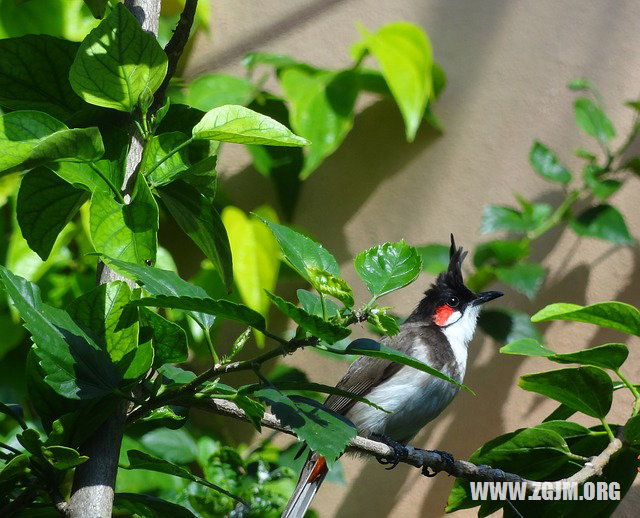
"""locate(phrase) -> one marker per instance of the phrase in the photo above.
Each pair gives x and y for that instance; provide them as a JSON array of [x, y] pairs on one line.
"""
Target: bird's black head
[[448, 294]]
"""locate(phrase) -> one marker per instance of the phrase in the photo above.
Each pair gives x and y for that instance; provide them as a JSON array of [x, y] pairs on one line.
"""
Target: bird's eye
[[453, 302]]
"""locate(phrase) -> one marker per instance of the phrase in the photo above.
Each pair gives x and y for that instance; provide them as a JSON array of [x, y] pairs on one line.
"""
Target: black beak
[[486, 296]]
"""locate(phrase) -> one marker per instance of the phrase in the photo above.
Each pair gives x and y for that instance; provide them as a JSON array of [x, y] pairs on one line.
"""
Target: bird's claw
[[400, 452], [446, 458]]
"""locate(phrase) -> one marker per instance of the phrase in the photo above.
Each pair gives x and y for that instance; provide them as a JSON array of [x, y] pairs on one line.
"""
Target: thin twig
[[424, 459], [174, 49]]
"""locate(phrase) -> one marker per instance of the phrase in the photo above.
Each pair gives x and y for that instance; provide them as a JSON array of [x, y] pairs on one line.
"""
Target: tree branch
[[423, 459], [175, 48]]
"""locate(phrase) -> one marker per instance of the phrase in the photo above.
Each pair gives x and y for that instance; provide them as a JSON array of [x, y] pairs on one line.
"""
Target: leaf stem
[[607, 428], [323, 303], [115, 190], [170, 154], [633, 389], [212, 350], [555, 218]]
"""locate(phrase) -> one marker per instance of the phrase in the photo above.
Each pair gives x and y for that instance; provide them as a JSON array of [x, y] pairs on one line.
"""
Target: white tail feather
[[306, 488]]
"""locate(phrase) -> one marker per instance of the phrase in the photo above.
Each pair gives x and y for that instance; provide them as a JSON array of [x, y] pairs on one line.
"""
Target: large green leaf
[[199, 219], [256, 255], [220, 308], [31, 138], [34, 75], [105, 315], [169, 339], [322, 105], [141, 460], [592, 120], [214, 90], [162, 282], [303, 253], [46, 204], [233, 123], [526, 347], [314, 325], [324, 431], [607, 356], [496, 217], [547, 165], [126, 232], [532, 453], [586, 389], [118, 62], [75, 366], [602, 222], [83, 175], [614, 315], [405, 56], [368, 347], [388, 267], [524, 277]]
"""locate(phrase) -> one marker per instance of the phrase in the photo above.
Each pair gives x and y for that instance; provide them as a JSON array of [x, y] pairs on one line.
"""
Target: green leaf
[[256, 256], [632, 430], [63, 458], [220, 308], [137, 362], [157, 150], [168, 417], [526, 347], [601, 189], [586, 389], [499, 252], [75, 366], [34, 75], [592, 120], [405, 57], [329, 284], [603, 222], [162, 282], [607, 356], [388, 267], [148, 506], [368, 347], [31, 138], [546, 164], [614, 315], [301, 386], [435, 258], [314, 325], [83, 176], [321, 109], [312, 304], [239, 343], [214, 90], [383, 322], [324, 431], [97, 7], [46, 204], [253, 409], [524, 277], [566, 429], [118, 62], [302, 252], [203, 176], [533, 452], [169, 339], [252, 59], [105, 315], [141, 460], [233, 123], [199, 219], [175, 446], [496, 218], [176, 374], [125, 232]]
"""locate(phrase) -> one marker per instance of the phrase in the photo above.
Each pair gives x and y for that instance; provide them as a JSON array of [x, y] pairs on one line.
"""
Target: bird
[[437, 333]]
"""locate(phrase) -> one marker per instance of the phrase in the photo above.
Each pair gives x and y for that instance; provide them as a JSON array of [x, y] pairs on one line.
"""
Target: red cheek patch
[[442, 314]]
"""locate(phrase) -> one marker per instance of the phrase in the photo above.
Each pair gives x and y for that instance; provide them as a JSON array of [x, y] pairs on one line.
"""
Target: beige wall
[[507, 63]]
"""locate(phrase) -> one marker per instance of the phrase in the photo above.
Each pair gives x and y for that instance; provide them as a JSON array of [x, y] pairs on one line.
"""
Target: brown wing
[[363, 374]]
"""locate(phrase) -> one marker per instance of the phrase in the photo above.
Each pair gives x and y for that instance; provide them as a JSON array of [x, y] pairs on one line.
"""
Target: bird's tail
[[311, 477]]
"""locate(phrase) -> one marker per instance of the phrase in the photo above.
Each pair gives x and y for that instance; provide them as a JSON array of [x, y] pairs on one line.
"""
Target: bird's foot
[[400, 452], [446, 458]]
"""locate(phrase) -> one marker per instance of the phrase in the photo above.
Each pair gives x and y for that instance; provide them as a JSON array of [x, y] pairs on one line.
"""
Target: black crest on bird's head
[[453, 276]]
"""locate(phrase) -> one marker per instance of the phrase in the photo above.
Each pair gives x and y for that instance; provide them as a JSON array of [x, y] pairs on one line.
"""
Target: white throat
[[460, 332]]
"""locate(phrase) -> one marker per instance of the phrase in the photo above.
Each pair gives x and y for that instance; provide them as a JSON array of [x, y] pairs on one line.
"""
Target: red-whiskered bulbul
[[436, 333]]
